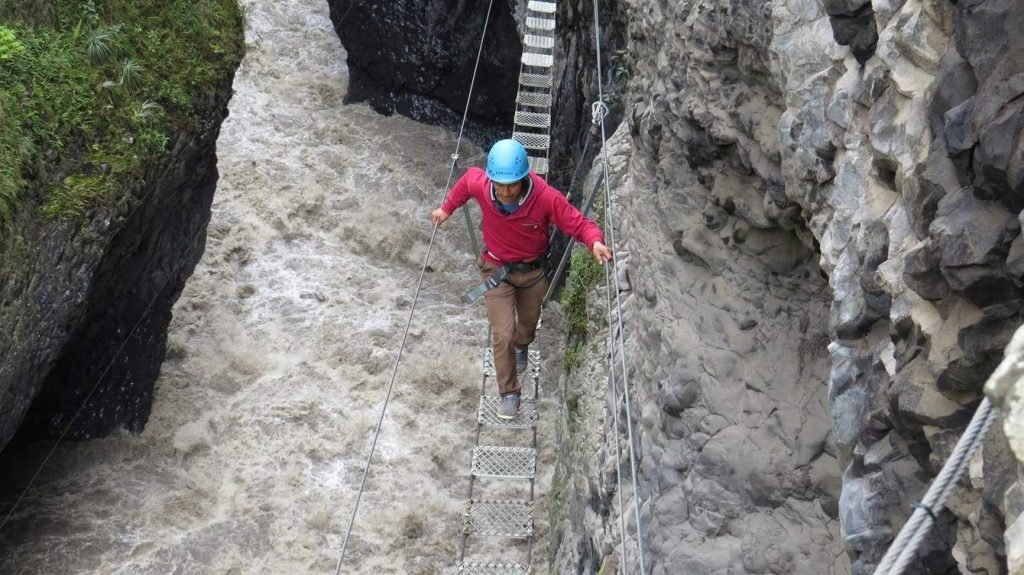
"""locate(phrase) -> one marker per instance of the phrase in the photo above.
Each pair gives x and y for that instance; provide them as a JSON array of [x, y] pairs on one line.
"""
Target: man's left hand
[[601, 252]]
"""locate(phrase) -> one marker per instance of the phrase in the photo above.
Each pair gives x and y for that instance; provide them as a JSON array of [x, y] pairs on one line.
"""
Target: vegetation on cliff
[[93, 92]]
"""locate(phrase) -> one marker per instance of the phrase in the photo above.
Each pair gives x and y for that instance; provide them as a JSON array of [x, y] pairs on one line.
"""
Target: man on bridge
[[518, 206]]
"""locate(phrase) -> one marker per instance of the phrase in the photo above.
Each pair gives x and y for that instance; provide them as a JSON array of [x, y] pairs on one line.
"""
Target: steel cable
[[601, 109], [905, 546], [416, 294]]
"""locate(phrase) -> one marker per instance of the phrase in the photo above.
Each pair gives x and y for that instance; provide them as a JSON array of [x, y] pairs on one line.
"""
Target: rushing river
[[280, 353]]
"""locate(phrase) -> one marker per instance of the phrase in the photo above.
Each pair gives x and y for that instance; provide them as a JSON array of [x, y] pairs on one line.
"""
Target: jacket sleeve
[[568, 219], [458, 195]]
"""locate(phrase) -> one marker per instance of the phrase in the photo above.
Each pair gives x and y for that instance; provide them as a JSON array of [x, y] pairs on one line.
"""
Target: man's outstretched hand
[[602, 253], [438, 216]]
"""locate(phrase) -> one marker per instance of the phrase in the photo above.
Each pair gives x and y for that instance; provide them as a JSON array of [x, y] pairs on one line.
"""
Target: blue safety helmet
[[507, 163]]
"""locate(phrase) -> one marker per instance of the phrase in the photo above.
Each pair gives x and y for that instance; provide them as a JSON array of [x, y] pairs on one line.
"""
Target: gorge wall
[[818, 206], [886, 136], [85, 298]]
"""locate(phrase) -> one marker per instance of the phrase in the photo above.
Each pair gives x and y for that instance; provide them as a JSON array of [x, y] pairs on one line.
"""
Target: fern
[[100, 44]]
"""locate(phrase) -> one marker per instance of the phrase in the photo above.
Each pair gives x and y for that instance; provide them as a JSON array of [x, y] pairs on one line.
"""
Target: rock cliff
[[86, 291], [782, 121]]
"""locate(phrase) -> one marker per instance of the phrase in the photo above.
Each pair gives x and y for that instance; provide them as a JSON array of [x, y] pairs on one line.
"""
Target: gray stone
[[680, 391], [918, 401], [960, 132], [973, 238]]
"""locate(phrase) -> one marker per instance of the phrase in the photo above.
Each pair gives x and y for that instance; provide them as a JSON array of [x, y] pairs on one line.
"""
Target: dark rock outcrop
[[416, 57], [853, 25], [84, 304]]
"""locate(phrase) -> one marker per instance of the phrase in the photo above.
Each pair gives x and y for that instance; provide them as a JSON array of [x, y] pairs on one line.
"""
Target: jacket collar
[[527, 190]]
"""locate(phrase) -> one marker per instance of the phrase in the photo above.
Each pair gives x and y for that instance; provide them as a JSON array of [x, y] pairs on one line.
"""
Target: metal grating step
[[533, 363], [535, 80], [540, 166], [535, 41], [487, 414], [538, 60], [532, 141], [493, 569], [543, 7], [499, 519], [504, 462], [540, 23], [535, 99], [533, 119]]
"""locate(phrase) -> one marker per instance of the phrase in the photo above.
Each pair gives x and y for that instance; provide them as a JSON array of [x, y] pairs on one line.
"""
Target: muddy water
[[281, 349]]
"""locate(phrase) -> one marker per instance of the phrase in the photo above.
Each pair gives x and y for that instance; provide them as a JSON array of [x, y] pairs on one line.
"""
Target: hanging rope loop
[[598, 112]]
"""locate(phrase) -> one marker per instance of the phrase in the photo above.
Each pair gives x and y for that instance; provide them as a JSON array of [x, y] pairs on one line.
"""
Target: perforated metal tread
[[533, 119], [532, 364], [535, 99], [487, 413], [540, 23], [538, 60], [493, 569], [504, 462], [499, 519], [532, 141], [539, 165], [544, 7], [535, 41], [535, 80]]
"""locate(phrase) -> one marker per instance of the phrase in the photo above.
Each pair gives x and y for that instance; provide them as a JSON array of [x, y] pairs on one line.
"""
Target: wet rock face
[[727, 318], [764, 139], [415, 57], [86, 311]]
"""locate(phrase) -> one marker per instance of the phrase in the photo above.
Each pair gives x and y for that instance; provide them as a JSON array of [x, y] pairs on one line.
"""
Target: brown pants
[[513, 309]]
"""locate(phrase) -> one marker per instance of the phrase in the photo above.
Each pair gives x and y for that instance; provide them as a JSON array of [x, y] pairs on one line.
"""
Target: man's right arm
[[457, 197]]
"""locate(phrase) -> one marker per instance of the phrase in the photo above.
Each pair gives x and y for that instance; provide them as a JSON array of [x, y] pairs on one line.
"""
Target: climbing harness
[[502, 276], [490, 283]]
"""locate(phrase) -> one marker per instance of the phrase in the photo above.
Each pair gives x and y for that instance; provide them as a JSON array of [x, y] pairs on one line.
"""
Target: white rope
[[599, 112], [415, 299], [906, 544]]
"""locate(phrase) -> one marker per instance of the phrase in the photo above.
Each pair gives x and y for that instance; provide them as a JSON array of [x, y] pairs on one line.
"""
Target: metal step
[[534, 99], [538, 60], [504, 462], [487, 414], [533, 119], [543, 7], [493, 569], [535, 41], [535, 80], [540, 23], [532, 141], [533, 363], [539, 165], [499, 519]]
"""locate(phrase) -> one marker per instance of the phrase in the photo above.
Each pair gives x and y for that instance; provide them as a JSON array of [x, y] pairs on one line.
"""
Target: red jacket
[[523, 235]]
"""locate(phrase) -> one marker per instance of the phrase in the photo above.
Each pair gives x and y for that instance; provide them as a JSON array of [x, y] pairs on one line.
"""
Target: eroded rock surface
[[760, 144]]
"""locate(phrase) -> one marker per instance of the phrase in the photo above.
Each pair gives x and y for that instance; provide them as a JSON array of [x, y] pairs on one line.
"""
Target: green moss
[[102, 87], [584, 273]]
